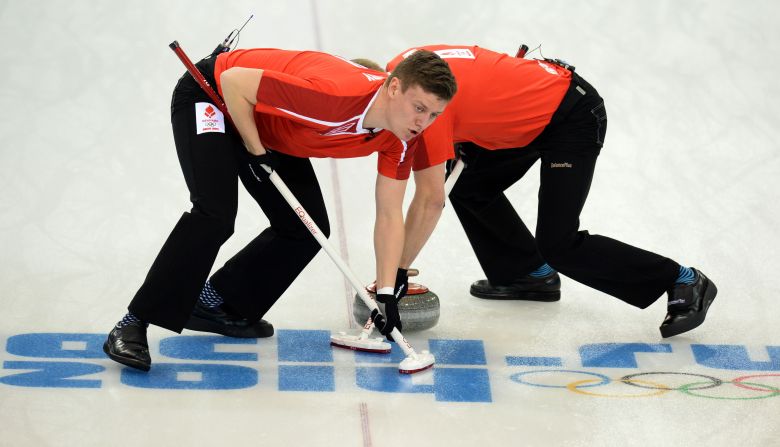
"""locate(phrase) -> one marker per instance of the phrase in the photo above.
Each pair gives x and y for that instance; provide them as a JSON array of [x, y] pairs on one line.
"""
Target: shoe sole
[[254, 331], [547, 297], [124, 360], [694, 322]]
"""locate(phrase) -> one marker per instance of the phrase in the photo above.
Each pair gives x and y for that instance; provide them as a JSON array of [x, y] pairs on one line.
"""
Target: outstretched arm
[[424, 211], [388, 229]]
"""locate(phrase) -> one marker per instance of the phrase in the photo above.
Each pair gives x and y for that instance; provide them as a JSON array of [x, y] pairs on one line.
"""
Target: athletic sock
[[686, 276], [544, 270], [129, 318], [209, 296]]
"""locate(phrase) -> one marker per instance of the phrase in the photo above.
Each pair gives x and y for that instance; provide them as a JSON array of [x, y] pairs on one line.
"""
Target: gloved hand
[[256, 161], [391, 319], [468, 152], [401, 283]]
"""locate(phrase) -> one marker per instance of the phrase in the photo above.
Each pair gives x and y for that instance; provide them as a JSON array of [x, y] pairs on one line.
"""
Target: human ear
[[394, 87]]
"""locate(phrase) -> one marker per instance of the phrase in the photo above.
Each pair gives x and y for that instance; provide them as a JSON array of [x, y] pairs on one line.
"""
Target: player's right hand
[[256, 163]]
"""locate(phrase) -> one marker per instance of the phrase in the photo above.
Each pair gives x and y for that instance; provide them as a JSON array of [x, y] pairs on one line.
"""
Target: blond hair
[[368, 63]]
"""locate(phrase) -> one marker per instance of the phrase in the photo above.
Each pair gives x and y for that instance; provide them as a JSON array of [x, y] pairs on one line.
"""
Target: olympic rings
[[658, 389], [691, 389], [774, 392], [738, 381], [516, 377], [714, 381]]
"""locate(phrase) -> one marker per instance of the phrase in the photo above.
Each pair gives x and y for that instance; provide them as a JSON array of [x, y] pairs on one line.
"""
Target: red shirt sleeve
[[397, 164], [437, 143]]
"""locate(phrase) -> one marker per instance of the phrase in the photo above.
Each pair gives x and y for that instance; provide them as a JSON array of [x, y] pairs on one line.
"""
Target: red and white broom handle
[[201, 80]]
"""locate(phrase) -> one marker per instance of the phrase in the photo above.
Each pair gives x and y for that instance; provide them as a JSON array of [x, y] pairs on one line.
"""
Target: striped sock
[[544, 270], [686, 276], [209, 296], [129, 318]]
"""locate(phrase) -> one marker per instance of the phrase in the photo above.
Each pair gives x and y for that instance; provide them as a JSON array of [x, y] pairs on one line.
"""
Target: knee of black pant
[[466, 199], [222, 226]]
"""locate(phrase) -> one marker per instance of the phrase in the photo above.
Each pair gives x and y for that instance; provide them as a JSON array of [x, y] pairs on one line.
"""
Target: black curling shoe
[[128, 346], [218, 321], [688, 305], [529, 288]]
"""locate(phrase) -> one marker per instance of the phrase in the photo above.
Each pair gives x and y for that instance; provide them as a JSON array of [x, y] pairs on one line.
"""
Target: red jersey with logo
[[502, 101], [312, 104]]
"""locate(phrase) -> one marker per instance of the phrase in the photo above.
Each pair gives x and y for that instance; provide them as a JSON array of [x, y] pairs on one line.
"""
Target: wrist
[[385, 291]]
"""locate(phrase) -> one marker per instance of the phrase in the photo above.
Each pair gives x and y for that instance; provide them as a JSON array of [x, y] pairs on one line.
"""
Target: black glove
[[391, 319], [256, 161], [385, 324], [468, 152], [401, 283], [379, 321]]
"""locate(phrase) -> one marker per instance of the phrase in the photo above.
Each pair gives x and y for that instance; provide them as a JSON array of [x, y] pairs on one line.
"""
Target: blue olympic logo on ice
[[648, 384]]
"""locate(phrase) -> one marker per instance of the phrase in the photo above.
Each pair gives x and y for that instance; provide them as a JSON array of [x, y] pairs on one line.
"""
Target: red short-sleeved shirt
[[312, 104], [502, 101]]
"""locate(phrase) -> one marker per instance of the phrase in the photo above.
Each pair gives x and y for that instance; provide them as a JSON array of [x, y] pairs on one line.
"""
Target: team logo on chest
[[349, 127]]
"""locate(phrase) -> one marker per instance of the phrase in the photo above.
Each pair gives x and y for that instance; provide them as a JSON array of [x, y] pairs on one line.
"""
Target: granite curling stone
[[419, 309]]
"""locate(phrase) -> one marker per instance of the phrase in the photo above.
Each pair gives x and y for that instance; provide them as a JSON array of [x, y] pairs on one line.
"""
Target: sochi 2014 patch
[[208, 118]]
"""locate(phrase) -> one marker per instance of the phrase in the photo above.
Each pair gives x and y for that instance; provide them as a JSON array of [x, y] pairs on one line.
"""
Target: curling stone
[[419, 309]]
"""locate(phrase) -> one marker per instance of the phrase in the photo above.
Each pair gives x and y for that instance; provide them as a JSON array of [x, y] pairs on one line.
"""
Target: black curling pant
[[256, 277], [506, 249]]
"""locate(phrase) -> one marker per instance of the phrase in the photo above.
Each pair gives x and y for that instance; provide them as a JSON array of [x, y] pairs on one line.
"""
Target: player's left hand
[[401, 283], [391, 318]]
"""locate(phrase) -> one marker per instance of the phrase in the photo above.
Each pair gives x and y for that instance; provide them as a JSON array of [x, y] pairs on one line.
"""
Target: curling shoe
[[128, 346], [529, 288], [688, 305], [218, 321]]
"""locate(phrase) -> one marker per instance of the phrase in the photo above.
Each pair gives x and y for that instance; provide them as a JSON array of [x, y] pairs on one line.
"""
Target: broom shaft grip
[[201, 80]]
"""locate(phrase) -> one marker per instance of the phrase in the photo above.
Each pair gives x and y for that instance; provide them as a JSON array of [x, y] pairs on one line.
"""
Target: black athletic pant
[[568, 149], [256, 277]]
